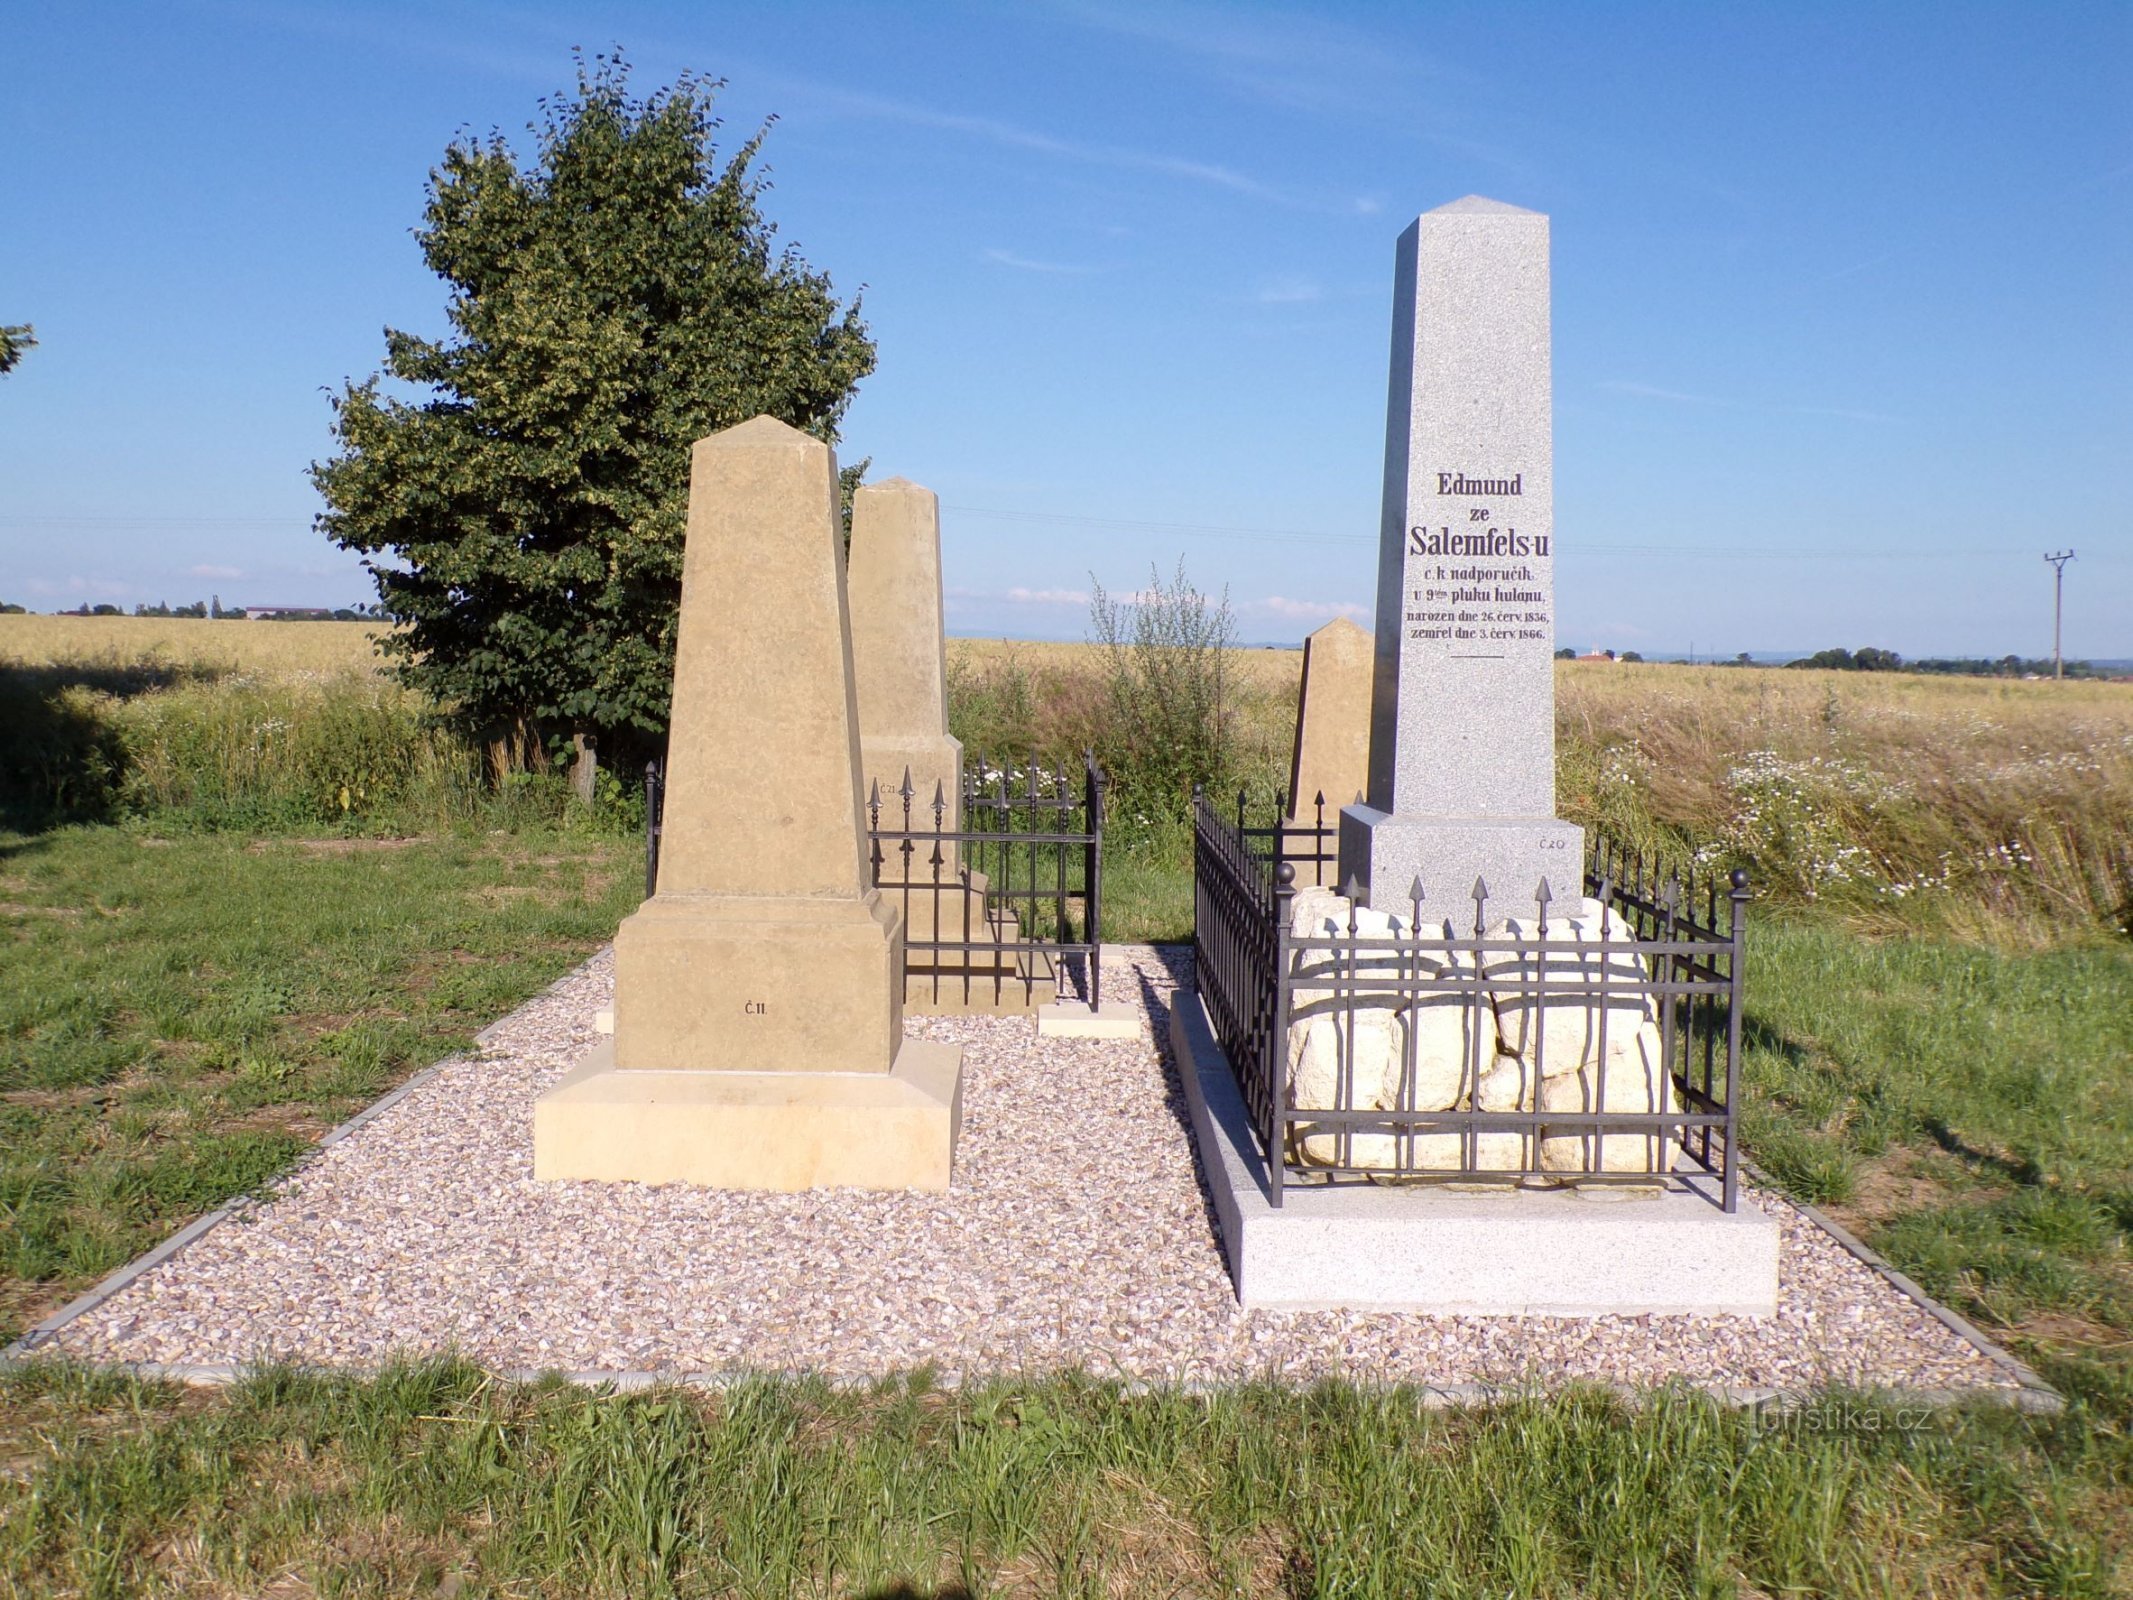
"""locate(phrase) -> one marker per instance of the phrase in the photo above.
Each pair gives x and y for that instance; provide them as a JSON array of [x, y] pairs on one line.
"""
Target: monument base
[[1386, 852], [780, 1131], [1452, 1251]]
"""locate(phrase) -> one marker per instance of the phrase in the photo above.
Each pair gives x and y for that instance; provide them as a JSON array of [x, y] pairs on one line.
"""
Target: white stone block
[[1066, 1019]]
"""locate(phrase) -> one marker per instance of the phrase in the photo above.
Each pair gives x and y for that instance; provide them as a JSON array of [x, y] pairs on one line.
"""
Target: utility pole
[[2058, 562]]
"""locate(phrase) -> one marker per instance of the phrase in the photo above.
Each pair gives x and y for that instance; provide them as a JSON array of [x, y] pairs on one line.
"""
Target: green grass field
[[197, 987], [185, 1013], [433, 1480], [193, 1009]]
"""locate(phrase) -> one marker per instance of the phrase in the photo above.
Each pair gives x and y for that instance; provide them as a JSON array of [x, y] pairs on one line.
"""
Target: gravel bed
[[1076, 1235]]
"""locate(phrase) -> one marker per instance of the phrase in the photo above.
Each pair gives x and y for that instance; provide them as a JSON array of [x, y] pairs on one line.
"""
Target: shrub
[[1169, 699]]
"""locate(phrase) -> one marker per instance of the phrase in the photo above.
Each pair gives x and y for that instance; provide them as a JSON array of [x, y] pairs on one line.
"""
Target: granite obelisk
[[1462, 735]]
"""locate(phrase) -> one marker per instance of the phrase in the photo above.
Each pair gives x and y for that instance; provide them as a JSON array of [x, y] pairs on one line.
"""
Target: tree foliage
[[1867, 658], [13, 342], [611, 302]]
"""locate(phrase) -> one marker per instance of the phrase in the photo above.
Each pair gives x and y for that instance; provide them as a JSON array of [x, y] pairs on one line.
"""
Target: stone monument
[[1462, 727], [1332, 755], [758, 1020], [1461, 787], [900, 674], [899, 650]]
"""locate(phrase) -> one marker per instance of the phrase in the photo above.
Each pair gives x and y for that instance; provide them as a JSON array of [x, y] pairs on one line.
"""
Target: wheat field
[[1990, 807], [205, 643]]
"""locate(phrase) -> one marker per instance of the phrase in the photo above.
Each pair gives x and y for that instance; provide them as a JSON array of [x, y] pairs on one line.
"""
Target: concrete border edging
[[2032, 1393], [2039, 1395], [43, 1331], [2033, 1396]]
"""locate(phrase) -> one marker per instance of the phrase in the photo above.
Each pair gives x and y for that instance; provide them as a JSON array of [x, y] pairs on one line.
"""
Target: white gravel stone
[[1076, 1234]]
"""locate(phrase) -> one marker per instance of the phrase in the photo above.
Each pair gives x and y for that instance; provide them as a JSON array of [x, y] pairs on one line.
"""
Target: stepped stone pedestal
[[758, 1018]]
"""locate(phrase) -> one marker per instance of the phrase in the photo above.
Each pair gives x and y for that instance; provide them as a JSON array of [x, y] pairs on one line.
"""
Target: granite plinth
[[1510, 854], [1447, 1251]]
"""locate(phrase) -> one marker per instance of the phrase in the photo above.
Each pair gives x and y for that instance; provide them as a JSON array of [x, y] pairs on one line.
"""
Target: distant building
[[307, 613], [1597, 655]]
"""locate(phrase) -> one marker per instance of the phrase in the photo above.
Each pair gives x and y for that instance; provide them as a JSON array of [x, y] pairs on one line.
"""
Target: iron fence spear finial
[[1481, 899]]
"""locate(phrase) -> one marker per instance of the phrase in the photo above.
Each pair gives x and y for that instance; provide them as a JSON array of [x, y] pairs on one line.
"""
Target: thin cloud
[[1007, 258], [1011, 136], [1856, 267], [1288, 292], [1340, 72], [1646, 391], [1047, 597], [208, 570]]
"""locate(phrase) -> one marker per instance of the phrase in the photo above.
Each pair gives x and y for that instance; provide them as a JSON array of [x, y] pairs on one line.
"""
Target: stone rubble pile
[[1481, 1044]]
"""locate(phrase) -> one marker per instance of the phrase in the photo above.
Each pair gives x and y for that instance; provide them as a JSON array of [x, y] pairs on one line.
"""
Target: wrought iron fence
[[996, 912], [1381, 1043], [1311, 847], [1008, 904]]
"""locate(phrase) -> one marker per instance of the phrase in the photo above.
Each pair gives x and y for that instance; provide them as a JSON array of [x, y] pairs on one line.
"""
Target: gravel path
[[1076, 1234]]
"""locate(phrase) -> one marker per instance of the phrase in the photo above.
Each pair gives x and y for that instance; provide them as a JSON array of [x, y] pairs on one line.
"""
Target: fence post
[[654, 801], [1735, 999], [1093, 877], [1277, 1043]]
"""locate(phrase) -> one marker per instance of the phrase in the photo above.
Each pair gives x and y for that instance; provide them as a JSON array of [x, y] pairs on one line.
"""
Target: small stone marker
[[758, 1018], [1332, 755], [1462, 739]]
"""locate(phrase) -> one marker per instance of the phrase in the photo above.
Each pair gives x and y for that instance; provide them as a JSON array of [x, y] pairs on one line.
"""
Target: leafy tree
[[610, 303], [1839, 660], [13, 342]]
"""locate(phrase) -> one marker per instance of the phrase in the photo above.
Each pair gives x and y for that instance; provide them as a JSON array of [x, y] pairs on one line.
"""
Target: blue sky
[[1843, 293]]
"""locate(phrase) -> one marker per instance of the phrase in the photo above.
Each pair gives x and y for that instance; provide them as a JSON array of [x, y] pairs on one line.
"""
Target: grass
[[1940, 1050], [431, 1479], [1967, 1109], [1970, 1113], [184, 1014]]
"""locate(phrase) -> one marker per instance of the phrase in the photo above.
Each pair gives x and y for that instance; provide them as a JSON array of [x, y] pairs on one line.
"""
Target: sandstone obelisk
[[759, 993], [1462, 737], [900, 654], [1332, 751]]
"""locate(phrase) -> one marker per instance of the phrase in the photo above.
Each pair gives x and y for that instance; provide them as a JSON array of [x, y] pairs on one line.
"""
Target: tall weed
[[209, 748]]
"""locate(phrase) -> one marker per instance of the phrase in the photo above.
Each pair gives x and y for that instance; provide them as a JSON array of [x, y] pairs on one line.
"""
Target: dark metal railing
[[1312, 848], [1010, 901], [1457, 1081], [993, 911]]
